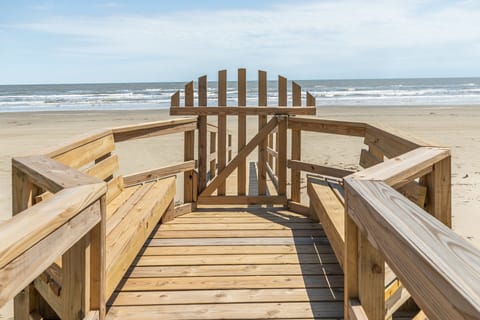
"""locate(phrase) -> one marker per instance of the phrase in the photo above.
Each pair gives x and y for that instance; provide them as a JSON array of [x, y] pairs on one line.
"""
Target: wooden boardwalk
[[233, 263]]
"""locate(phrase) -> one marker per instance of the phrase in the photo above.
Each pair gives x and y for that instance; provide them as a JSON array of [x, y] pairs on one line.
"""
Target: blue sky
[[136, 41]]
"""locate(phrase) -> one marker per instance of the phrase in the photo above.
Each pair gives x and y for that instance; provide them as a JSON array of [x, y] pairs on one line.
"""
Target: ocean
[[131, 96]]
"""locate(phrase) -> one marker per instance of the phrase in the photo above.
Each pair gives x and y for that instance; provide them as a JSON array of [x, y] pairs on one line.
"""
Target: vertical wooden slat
[[282, 155], [282, 91], [270, 145], [222, 127], [295, 174], [439, 197], [277, 141], [229, 144], [213, 149], [350, 262], [242, 131], [296, 94], [189, 95], [175, 99], [296, 145], [371, 279], [311, 102], [75, 276], [97, 263], [189, 148], [202, 135], [262, 121]]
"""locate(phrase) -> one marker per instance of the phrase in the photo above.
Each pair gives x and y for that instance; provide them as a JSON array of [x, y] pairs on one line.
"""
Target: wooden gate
[[271, 139]]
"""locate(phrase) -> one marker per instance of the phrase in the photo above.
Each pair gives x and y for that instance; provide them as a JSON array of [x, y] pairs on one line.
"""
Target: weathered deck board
[[243, 263]]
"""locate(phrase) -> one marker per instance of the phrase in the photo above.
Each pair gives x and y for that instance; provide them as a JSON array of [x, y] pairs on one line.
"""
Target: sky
[[47, 41]]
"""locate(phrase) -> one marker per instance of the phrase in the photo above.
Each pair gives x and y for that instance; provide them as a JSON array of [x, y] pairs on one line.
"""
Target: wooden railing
[[70, 225]]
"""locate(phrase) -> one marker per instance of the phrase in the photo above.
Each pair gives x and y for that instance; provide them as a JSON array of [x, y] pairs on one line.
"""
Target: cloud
[[327, 34]]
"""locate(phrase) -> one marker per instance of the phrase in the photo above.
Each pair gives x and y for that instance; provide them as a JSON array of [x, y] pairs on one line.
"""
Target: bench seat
[[327, 207], [131, 217]]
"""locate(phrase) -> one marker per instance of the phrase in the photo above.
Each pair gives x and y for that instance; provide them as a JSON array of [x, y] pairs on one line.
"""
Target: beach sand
[[454, 126]]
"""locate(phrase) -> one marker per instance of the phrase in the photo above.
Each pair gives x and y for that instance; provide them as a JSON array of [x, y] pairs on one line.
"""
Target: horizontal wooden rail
[[51, 175], [401, 170], [158, 173], [153, 129], [347, 128], [241, 200], [318, 169], [210, 111], [33, 239], [440, 269]]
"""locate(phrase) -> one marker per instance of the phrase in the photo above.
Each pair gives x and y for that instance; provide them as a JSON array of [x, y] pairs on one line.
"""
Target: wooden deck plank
[[172, 234], [241, 226], [225, 296], [289, 310], [235, 259], [228, 282], [267, 249], [234, 270], [238, 241]]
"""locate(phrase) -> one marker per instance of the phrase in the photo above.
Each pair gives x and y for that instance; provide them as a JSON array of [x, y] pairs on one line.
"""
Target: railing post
[[189, 154], [23, 195], [350, 263], [262, 146], [213, 150], [282, 155], [439, 197], [202, 135], [242, 131], [295, 174], [97, 263]]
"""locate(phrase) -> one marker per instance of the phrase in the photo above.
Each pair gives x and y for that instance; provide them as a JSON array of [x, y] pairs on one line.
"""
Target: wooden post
[[262, 121], [98, 263], [371, 279], [270, 145], [202, 135], [222, 127], [296, 146], [23, 195], [213, 150], [350, 263], [75, 292], [242, 131], [189, 148], [439, 197], [282, 155], [229, 145]]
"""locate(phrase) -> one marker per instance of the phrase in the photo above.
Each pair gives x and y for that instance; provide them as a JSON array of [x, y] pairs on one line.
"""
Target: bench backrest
[[95, 156]]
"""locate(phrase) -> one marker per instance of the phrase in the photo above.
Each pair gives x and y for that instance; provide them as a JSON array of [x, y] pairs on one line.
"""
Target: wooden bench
[[327, 203], [133, 211]]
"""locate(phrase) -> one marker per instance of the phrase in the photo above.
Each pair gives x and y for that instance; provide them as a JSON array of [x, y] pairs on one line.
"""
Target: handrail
[[25, 229], [440, 269]]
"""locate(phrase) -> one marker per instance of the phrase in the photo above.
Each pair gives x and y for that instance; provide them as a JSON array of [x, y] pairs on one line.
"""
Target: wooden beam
[[29, 264], [189, 147], [347, 128], [241, 200], [439, 197], [350, 261], [202, 134], [318, 169], [282, 155], [222, 128], [425, 254], [401, 170], [240, 157], [368, 159], [296, 94], [163, 172], [250, 110], [153, 129], [213, 155], [282, 91], [272, 176], [296, 150], [310, 100], [242, 131], [262, 146], [175, 99], [31, 225]]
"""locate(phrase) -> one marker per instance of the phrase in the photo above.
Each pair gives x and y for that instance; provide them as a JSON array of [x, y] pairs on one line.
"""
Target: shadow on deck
[[233, 263]]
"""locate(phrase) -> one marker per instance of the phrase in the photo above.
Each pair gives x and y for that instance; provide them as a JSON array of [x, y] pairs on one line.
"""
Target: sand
[[455, 126]]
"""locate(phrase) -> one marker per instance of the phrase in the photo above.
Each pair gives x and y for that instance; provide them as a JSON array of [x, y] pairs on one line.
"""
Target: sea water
[[124, 96]]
